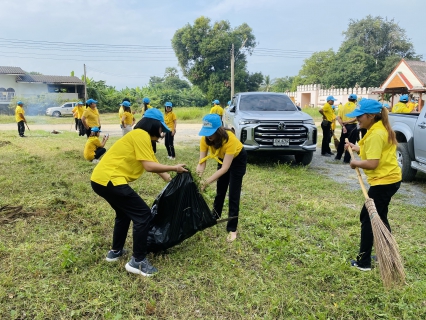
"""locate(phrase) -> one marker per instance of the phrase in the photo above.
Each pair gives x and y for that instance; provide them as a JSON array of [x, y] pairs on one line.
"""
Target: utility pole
[[85, 85], [232, 71]]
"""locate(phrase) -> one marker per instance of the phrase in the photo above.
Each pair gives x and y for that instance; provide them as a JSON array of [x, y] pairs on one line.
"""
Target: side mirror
[[299, 108], [231, 108]]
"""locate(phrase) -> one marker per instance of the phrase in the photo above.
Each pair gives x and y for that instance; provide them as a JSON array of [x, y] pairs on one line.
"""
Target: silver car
[[63, 110]]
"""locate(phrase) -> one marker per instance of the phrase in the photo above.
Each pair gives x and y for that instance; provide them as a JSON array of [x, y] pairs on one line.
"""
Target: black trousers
[[381, 195], [169, 142], [76, 123], [326, 138], [81, 129], [88, 131], [99, 152], [128, 206], [234, 179], [351, 134], [21, 128]]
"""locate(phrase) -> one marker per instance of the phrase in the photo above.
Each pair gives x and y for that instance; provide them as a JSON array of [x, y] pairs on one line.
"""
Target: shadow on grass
[[267, 160]]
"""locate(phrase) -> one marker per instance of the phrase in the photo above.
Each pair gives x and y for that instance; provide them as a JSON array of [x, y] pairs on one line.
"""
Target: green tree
[[266, 84], [203, 52], [315, 67], [282, 84]]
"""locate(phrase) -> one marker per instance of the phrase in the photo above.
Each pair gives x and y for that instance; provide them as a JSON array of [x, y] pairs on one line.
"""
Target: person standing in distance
[[377, 150], [328, 117], [20, 118], [223, 146], [146, 106], [217, 109], [349, 127], [124, 162], [170, 119], [91, 117], [127, 119], [401, 106]]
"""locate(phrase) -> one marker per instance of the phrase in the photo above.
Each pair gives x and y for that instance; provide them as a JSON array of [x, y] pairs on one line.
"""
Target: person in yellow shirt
[[94, 148], [75, 115], [349, 127], [127, 119], [412, 105], [90, 116], [223, 146], [80, 110], [124, 162], [401, 106], [217, 109], [377, 150], [146, 105], [170, 119], [328, 118], [20, 118]]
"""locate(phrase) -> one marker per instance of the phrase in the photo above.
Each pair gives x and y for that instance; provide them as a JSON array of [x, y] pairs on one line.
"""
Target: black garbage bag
[[179, 212]]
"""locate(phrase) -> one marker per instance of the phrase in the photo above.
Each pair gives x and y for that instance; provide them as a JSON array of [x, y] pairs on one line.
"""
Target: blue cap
[[366, 106], [216, 101], [330, 98], [19, 103], [211, 123], [229, 102], [80, 102], [146, 100], [386, 105], [157, 115], [168, 104], [353, 96], [125, 104], [90, 101], [404, 98], [95, 129]]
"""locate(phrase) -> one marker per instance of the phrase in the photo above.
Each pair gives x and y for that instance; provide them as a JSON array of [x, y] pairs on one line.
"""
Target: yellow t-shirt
[[345, 109], [217, 110], [143, 108], [169, 119], [129, 118], [411, 106], [92, 117], [92, 144], [80, 111], [74, 112], [122, 164], [375, 145], [233, 146], [328, 112], [120, 113], [401, 107], [19, 110]]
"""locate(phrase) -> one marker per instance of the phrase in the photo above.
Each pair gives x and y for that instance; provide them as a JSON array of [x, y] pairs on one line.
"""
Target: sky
[[55, 37]]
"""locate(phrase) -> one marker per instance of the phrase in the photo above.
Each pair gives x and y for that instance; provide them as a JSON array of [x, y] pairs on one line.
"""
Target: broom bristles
[[390, 262]]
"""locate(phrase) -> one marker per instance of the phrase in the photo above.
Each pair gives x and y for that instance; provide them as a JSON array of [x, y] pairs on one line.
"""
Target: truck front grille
[[265, 133]]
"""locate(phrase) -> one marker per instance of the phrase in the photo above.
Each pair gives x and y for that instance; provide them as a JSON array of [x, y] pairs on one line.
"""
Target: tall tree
[[267, 84], [203, 52]]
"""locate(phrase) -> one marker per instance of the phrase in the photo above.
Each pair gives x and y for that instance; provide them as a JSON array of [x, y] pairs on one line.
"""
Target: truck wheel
[[304, 158], [404, 161], [56, 114]]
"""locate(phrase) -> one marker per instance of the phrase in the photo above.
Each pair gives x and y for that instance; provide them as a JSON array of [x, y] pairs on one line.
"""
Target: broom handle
[[358, 173]]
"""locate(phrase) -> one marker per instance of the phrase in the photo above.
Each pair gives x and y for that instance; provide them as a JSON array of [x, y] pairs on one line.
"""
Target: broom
[[336, 141], [390, 261]]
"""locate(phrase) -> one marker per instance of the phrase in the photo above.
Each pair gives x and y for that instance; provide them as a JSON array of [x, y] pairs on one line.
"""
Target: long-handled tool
[[390, 261]]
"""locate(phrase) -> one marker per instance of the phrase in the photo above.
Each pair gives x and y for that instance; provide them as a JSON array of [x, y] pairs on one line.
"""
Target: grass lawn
[[297, 232]]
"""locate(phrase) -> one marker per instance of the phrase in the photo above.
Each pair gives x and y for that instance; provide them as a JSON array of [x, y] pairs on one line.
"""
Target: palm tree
[[267, 84]]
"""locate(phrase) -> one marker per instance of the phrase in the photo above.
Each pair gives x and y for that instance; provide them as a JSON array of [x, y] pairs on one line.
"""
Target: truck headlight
[[247, 121]]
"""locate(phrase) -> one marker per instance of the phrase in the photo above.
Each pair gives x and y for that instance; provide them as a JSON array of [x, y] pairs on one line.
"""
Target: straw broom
[[387, 251]]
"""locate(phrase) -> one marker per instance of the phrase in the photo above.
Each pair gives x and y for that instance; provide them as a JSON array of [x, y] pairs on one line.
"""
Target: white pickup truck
[[63, 110], [410, 129]]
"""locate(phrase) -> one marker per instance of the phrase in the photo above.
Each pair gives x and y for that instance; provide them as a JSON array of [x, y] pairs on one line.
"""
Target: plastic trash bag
[[179, 212]]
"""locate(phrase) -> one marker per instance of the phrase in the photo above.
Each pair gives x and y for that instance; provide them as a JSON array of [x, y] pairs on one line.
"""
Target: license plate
[[281, 142]]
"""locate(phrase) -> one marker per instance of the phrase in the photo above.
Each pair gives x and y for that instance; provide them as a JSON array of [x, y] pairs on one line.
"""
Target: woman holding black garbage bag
[[228, 151], [125, 162]]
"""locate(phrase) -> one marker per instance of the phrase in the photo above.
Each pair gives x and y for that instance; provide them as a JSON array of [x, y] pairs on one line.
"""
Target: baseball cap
[[95, 129], [146, 100], [216, 101], [366, 106], [125, 104], [353, 96], [168, 104], [80, 102], [404, 98], [19, 102], [330, 98], [211, 123], [90, 101], [157, 115]]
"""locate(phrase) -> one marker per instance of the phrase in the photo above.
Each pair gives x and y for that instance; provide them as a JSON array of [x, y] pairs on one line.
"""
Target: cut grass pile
[[297, 232]]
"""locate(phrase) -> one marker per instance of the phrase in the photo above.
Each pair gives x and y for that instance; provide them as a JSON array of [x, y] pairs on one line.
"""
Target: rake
[[387, 251]]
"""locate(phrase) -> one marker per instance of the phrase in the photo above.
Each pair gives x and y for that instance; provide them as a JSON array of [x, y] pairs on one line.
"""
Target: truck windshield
[[266, 102]]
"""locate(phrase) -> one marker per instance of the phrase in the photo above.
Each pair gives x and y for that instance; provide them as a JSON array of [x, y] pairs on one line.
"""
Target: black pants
[[81, 129], [169, 142], [351, 134], [99, 152], [326, 138], [128, 206], [382, 196], [88, 131], [21, 128], [234, 179], [76, 123]]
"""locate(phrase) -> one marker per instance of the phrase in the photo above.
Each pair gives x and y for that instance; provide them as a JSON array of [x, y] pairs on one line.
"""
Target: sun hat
[[95, 129], [90, 101], [125, 104], [157, 115], [211, 123], [168, 104], [330, 98], [353, 96], [146, 100], [404, 98], [366, 106]]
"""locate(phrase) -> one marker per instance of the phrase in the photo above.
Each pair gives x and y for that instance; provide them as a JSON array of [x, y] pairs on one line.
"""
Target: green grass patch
[[297, 232]]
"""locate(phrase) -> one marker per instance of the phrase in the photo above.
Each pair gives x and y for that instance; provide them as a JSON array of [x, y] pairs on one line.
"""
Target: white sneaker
[[95, 161], [171, 158]]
